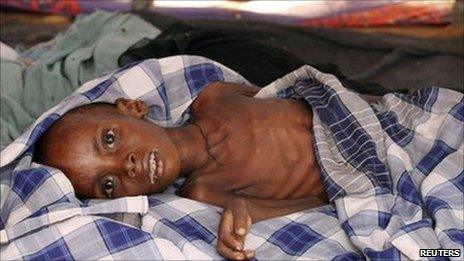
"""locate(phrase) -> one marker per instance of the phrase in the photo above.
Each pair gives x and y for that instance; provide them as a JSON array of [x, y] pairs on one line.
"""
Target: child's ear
[[138, 109]]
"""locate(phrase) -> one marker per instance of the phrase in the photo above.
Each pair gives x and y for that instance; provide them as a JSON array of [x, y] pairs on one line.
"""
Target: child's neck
[[191, 145]]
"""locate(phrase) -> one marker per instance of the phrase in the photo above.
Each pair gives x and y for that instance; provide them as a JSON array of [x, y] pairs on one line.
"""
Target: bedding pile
[[393, 173]]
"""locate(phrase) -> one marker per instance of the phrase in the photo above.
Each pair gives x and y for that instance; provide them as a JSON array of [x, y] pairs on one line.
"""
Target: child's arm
[[240, 211]]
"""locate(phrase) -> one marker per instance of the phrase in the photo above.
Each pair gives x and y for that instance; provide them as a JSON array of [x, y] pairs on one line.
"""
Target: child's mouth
[[155, 165]]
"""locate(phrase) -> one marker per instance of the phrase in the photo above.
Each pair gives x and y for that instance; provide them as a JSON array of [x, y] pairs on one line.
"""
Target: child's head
[[111, 150]]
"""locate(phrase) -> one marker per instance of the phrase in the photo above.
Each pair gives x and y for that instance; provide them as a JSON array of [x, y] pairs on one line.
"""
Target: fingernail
[[239, 248], [239, 257], [250, 254], [241, 231]]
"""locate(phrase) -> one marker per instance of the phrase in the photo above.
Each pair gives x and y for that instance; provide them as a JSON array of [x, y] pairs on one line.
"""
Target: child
[[253, 157]]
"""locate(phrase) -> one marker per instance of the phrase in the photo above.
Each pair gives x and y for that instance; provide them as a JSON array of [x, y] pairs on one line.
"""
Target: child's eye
[[108, 187], [109, 139]]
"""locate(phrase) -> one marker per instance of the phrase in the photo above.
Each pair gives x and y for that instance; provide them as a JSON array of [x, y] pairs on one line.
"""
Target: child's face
[[110, 152]]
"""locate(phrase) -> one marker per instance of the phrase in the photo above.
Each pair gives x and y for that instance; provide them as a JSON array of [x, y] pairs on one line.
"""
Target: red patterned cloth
[[393, 14]]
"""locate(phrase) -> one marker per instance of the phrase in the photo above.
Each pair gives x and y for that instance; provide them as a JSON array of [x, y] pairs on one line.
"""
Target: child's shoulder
[[219, 92]]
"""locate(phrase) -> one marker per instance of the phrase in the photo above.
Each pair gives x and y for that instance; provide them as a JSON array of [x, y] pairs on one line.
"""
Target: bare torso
[[257, 147]]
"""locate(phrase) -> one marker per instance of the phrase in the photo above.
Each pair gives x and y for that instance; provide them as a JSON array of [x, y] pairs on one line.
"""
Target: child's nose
[[131, 164]]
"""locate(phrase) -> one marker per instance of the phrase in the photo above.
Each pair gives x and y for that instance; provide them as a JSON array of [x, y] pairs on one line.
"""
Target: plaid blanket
[[393, 172]]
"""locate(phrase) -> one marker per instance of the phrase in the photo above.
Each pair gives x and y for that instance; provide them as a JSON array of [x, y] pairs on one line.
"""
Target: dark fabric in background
[[259, 62], [394, 62]]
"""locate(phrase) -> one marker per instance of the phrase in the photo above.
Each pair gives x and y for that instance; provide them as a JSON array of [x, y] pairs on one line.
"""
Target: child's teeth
[[152, 163], [155, 166]]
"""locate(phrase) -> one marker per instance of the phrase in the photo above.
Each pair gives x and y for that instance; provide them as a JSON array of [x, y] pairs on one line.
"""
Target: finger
[[226, 233], [228, 252], [242, 221], [249, 253]]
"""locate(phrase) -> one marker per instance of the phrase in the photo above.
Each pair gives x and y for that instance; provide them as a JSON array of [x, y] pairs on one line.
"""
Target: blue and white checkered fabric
[[394, 174]]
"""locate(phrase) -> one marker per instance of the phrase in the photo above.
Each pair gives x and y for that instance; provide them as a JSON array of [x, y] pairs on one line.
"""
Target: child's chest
[[262, 147]]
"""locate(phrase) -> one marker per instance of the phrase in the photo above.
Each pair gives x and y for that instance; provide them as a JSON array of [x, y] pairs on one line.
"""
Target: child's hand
[[235, 224]]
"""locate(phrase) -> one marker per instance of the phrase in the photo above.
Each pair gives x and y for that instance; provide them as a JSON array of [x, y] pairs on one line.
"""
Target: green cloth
[[14, 118], [90, 47]]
